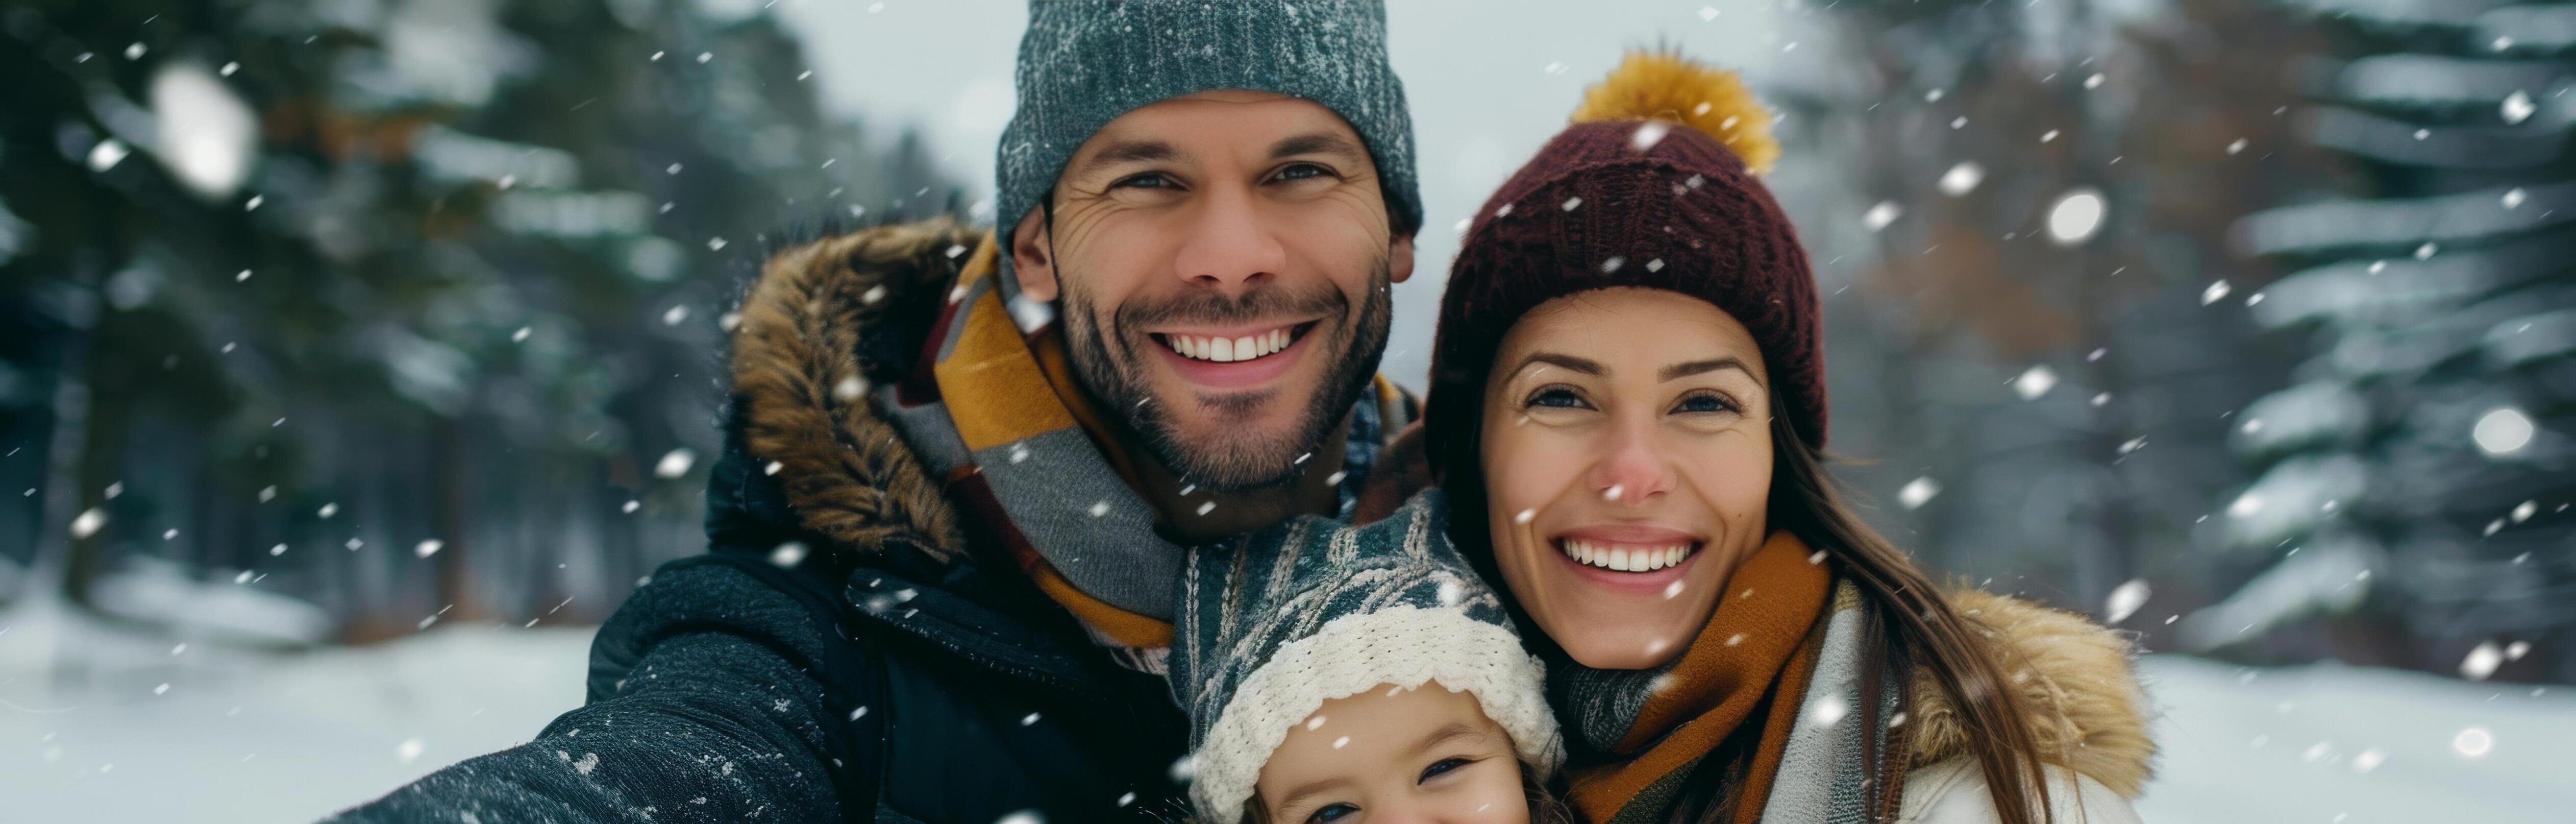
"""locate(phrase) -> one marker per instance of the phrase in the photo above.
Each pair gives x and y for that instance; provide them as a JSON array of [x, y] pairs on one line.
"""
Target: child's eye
[[1443, 767], [1704, 402], [1557, 397], [1332, 812]]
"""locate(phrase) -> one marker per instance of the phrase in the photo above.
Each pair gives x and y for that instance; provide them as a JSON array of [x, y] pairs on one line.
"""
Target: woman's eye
[[1442, 767], [1332, 812], [1558, 397], [1704, 402]]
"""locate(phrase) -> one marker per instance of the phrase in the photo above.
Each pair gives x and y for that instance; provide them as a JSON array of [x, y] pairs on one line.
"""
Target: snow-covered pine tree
[[2415, 479], [340, 297]]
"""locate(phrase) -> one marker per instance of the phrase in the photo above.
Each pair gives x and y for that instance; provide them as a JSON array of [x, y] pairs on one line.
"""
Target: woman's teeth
[[1625, 557], [1227, 350]]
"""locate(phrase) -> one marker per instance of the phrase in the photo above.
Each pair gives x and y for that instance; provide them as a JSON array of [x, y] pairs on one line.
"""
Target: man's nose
[[1231, 246]]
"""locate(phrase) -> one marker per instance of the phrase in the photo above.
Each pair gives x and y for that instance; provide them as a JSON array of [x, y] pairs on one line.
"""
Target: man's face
[[1223, 261]]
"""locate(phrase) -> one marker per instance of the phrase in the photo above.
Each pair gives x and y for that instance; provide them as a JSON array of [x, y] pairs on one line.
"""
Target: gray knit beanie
[[1085, 62], [1314, 610]]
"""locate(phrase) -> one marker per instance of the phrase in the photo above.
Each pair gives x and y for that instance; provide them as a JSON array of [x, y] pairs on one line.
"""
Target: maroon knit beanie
[[1637, 193]]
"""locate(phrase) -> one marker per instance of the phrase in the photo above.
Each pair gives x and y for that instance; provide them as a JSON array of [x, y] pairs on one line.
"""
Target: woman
[[1628, 412]]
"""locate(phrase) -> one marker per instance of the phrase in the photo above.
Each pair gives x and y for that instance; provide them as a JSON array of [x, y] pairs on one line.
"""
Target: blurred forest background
[[2250, 326]]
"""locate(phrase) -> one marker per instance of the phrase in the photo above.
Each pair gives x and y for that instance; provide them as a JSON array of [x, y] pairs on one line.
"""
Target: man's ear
[[1399, 259], [1029, 258]]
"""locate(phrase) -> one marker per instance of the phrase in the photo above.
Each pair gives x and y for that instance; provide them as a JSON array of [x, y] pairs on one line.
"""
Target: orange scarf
[[1756, 654]]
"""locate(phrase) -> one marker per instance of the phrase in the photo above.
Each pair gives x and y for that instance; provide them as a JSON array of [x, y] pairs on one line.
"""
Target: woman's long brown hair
[[1906, 615]]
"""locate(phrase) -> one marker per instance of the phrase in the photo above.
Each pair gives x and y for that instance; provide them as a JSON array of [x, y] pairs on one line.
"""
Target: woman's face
[[1627, 458]]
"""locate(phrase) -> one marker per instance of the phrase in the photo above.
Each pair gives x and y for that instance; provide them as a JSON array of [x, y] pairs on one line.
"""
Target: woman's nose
[[1633, 468]]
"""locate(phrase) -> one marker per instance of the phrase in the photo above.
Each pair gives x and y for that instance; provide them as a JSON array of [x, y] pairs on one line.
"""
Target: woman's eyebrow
[[1684, 370], [1583, 365]]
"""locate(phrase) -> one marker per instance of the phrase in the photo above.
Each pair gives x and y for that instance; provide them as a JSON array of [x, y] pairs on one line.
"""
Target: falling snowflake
[[88, 522], [408, 750], [674, 463], [2216, 291], [1827, 711], [2473, 742], [2076, 216], [1648, 134], [428, 547], [2125, 601], [2481, 662], [2034, 382], [1918, 492], [107, 154], [2517, 107], [2503, 431], [1879, 216], [787, 555], [1962, 179], [2245, 506]]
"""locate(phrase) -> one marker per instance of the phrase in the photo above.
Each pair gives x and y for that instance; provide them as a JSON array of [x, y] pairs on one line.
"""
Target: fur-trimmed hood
[[824, 322], [2075, 680]]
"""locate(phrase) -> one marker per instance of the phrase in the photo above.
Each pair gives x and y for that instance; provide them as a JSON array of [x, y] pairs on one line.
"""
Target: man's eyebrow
[[1131, 151], [1314, 143], [1683, 370], [1583, 365]]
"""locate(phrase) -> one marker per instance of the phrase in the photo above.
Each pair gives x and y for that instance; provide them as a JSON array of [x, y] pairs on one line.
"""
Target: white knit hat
[[1314, 610]]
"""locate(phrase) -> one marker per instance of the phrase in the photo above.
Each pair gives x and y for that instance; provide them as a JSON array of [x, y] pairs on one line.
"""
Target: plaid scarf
[[995, 410]]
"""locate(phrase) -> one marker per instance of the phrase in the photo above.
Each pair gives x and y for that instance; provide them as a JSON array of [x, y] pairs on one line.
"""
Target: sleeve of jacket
[[705, 708]]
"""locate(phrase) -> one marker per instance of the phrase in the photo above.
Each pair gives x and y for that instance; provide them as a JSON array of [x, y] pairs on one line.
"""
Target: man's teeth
[[1227, 350], [1626, 557]]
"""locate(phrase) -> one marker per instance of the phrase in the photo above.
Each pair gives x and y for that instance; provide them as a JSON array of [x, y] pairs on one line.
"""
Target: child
[[1348, 674]]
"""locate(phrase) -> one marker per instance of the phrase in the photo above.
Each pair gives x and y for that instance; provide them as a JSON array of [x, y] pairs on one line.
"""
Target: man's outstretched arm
[[712, 723]]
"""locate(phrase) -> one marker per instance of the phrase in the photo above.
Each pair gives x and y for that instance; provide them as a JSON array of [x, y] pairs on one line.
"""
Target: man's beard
[[1229, 462]]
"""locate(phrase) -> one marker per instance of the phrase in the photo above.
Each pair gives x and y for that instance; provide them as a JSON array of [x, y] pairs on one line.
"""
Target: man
[[961, 468]]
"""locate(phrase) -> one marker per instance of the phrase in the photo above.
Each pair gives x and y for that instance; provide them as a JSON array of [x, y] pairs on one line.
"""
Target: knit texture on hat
[[1313, 610], [1635, 201], [1085, 62]]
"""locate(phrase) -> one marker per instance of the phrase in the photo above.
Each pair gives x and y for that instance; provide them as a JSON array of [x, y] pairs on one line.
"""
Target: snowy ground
[[268, 737]]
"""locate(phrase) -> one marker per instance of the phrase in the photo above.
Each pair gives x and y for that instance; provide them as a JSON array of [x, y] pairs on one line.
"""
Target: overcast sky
[[1489, 81]]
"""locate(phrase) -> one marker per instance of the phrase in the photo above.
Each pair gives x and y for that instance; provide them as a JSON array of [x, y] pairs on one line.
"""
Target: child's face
[[1427, 755]]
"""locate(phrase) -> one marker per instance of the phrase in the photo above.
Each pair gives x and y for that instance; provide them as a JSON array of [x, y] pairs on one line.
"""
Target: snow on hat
[[1314, 610]]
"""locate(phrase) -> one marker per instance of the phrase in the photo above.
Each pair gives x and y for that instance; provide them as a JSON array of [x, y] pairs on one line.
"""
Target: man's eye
[[1558, 397], [1301, 171], [1442, 767], [1332, 812], [1148, 180], [1704, 402]]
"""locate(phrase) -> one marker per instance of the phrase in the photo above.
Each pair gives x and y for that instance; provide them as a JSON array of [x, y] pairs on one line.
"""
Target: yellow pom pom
[[1663, 85]]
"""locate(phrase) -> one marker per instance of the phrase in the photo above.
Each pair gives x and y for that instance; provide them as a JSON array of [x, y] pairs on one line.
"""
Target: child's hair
[[1544, 806]]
